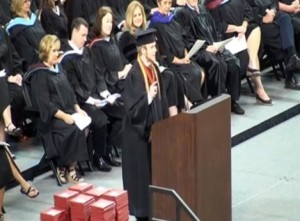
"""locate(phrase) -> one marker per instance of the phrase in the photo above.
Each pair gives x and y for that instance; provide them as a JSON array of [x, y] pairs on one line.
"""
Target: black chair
[[274, 58]]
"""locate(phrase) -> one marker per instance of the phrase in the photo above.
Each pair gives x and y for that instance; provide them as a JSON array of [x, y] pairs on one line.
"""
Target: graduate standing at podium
[[145, 103]]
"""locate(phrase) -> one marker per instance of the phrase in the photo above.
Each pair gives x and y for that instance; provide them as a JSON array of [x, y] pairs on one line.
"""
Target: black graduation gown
[[108, 61], [81, 75], [148, 5], [26, 35], [5, 169], [171, 43], [278, 34], [55, 24], [86, 9], [50, 91], [222, 68], [172, 83], [5, 14], [119, 9], [4, 101], [10, 61], [235, 12], [136, 149]]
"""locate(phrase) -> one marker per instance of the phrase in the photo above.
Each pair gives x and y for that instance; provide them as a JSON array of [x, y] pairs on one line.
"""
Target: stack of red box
[[97, 192], [120, 197], [81, 207], [62, 201], [53, 214], [81, 187], [103, 210]]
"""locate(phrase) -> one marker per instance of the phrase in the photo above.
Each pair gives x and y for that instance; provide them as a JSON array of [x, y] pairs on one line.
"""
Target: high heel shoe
[[13, 131], [262, 101]]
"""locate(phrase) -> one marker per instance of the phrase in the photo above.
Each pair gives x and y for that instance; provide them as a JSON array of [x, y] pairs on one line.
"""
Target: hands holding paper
[[110, 99]]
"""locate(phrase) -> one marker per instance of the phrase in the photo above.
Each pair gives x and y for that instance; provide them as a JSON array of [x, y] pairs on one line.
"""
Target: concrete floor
[[265, 169]]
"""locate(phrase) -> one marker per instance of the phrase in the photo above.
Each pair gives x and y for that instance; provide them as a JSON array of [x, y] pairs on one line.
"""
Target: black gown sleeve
[[17, 67], [100, 68], [136, 100], [74, 80], [41, 97]]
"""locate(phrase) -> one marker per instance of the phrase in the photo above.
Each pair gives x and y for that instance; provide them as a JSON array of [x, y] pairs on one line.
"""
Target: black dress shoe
[[100, 164], [293, 64], [292, 83], [236, 108], [111, 160]]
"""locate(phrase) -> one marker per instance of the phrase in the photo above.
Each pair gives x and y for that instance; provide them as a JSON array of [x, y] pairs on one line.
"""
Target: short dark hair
[[77, 22]]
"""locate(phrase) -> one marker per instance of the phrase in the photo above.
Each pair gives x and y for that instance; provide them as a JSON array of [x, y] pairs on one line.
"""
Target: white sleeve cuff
[[104, 94], [90, 100]]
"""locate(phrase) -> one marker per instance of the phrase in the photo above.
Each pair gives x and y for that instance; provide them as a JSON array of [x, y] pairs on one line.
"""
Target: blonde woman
[[54, 98], [25, 31]]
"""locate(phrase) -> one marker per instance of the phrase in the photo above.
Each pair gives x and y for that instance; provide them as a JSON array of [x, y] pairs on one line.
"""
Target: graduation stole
[[149, 75]]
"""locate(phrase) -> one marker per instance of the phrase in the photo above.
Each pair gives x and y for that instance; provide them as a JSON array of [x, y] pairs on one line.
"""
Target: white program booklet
[[198, 44], [237, 45], [221, 44], [82, 121]]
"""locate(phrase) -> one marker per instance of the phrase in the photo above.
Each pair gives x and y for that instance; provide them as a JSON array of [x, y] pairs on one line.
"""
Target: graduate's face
[[137, 19], [79, 36], [193, 3], [26, 6], [53, 54], [107, 24], [150, 51], [164, 6]]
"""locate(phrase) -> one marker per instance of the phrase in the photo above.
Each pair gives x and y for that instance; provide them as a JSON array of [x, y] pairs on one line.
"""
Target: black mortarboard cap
[[145, 36]]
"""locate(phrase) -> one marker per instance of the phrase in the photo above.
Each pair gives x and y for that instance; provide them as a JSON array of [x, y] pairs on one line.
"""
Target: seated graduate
[[278, 35], [11, 68], [199, 24], [236, 17], [5, 13], [111, 67], [292, 7], [145, 103], [136, 19], [25, 31], [78, 63], [172, 46], [9, 169], [53, 19], [55, 101]]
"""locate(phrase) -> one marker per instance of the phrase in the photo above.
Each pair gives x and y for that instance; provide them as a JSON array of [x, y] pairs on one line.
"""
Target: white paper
[[100, 103], [198, 44], [237, 45], [82, 121], [221, 44], [112, 98], [2, 73]]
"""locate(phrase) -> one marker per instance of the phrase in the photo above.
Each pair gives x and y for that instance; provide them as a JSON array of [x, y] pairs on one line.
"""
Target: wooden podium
[[191, 154]]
